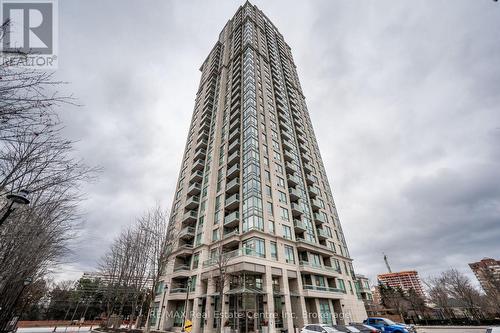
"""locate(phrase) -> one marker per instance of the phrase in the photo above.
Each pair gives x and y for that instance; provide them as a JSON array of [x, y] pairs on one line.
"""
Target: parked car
[[322, 328], [347, 328], [365, 328], [493, 329], [387, 325]]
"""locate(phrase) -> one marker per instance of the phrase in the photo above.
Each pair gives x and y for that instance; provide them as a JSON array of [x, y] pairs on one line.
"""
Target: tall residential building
[[487, 271], [405, 280], [252, 182]]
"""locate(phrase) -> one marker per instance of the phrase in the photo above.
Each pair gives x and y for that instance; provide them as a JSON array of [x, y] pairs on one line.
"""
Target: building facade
[[487, 271], [363, 290], [405, 280], [253, 185]]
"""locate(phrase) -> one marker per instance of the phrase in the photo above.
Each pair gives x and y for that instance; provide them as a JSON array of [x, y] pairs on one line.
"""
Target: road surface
[[452, 329], [60, 329]]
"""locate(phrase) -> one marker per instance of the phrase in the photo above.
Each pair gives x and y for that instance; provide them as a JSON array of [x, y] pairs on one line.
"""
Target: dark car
[[365, 328], [347, 328]]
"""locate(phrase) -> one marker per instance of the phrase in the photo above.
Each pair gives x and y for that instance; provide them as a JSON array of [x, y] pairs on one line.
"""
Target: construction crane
[[387, 263]]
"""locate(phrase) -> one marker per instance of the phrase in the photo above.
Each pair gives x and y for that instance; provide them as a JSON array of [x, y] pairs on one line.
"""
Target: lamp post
[[15, 199]]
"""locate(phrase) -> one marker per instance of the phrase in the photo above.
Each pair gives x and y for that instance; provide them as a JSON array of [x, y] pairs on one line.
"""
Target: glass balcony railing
[[322, 288]]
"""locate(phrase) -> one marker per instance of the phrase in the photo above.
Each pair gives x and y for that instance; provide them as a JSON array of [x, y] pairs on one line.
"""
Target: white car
[[322, 328], [493, 329]]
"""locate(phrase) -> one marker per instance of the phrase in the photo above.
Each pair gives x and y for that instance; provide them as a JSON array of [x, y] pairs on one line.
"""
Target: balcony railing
[[299, 225], [232, 254], [321, 288], [182, 268], [232, 219], [187, 232]]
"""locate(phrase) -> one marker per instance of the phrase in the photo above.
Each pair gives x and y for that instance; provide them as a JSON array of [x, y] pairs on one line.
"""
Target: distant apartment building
[[487, 271], [405, 280], [143, 283], [253, 184], [363, 289]]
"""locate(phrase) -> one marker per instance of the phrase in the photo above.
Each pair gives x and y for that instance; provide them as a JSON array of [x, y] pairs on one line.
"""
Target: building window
[[274, 251], [282, 198], [287, 232], [289, 255], [270, 208], [196, 260], [271, 227], [255, 246], [269, 191], [284, 214]]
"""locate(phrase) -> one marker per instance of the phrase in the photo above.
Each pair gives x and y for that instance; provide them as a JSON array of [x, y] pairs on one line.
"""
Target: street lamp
[[15, 199]]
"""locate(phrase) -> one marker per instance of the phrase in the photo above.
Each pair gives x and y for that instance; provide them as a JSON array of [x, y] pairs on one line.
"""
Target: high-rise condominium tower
[[252, 185]]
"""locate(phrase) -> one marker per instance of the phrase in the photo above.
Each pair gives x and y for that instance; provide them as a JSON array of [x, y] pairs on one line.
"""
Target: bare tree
[[161, 240], [35, 156], [136, 260], [220, 259], [453, 285]]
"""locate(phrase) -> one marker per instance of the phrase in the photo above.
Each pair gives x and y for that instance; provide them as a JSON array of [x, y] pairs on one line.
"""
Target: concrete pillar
[[269, 298], [318, 313], [288, 322], [210, 308]]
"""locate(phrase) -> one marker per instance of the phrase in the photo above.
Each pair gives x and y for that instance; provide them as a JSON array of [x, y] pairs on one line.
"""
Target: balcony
[[233, 186], [288, 156], [322, 234], [308, 167], [316, 204], [233, 171], [187, 233], [233, 135], [196, 177], [194, 189], [198, 165], [294, 194], [192, 202], [299, 226], [319, 218], [234, 115], [232, 219], [313, 191], [205, 126], [286, 135], [203, 135], [306, 158], [233, 202], [235, 125], [288, 144], [234, 146], [233, 158], [323, 289], [290, 167], [243, 252], [301, 139], [310, 179], [300, 131], [200, 154], [190, 217], [182, 268], [202, 144], [296, 209], [293, 181]]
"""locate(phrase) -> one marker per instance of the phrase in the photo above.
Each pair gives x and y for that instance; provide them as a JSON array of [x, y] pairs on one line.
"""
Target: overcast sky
[[403, 95]]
